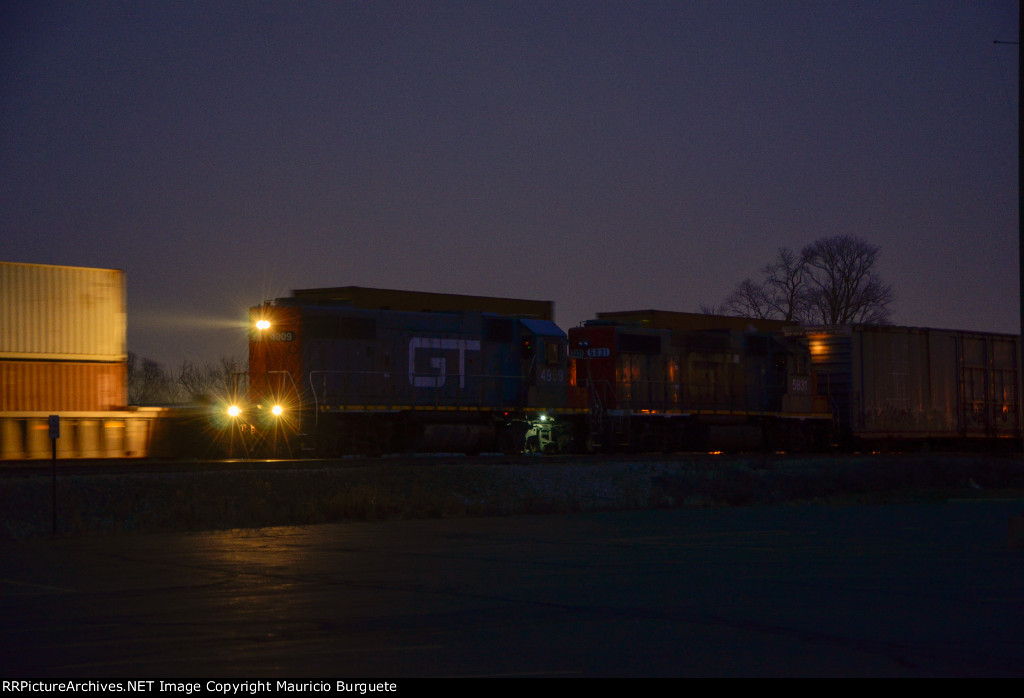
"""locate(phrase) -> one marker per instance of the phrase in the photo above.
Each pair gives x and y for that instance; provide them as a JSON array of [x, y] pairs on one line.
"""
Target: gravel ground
[[145, 496]]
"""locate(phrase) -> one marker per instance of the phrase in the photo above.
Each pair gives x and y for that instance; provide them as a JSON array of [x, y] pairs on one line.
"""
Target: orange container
[[62, 385]]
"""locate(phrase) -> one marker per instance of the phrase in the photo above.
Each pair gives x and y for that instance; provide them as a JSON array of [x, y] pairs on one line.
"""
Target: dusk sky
[[603, 155]]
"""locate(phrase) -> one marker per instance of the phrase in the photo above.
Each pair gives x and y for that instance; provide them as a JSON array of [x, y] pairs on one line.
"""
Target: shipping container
[[61, 313], [917, 383], [62, 385]]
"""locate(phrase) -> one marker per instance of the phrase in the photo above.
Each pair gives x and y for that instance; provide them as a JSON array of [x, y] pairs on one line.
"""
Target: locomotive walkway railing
[[381, 391], [641, 397]]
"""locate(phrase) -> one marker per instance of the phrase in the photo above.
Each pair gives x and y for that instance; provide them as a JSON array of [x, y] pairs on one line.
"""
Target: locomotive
[[666, 388], [331, 377], [372, 371]]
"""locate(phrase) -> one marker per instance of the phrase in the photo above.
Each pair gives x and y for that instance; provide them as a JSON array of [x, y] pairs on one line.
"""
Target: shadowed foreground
[[884, 590]]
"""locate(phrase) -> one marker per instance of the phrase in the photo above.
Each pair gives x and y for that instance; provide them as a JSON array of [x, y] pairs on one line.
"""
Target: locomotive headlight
[[277, 410], [234, 410], [263, 324]]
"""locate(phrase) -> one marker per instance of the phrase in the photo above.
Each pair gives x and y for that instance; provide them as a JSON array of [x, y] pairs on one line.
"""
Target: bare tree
[[784, 284], [200, 383], [842, 286], [831, 282], [780, 296], [210, 381], [750, 299], [149, 384]]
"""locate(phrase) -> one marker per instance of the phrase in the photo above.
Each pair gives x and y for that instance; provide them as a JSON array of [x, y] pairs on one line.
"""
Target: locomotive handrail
[[597, 405], [467, 397], [675, 396], [290, 380]]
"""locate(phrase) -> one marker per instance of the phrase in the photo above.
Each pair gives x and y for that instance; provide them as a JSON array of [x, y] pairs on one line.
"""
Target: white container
[[62, 313]]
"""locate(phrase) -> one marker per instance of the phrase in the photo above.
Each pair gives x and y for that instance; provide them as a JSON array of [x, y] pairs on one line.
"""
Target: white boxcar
[[887, 382]]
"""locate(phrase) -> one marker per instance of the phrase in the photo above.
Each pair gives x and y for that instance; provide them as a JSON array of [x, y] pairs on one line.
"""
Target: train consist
[[350, 370], [355, 370]]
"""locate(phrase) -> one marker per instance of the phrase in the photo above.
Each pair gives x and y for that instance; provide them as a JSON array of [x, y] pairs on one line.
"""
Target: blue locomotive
[[352, 370]]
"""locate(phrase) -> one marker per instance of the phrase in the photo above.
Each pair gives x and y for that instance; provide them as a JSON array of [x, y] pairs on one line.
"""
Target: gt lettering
[[439, 363]]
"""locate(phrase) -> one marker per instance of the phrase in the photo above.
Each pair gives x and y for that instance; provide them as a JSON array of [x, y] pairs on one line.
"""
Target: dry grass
[[262, 495]]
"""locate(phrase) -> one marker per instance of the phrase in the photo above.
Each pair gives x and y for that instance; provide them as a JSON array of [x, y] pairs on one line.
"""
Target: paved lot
[[900, 590]]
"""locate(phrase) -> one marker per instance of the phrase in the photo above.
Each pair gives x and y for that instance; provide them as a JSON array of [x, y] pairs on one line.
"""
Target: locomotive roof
[[672, 320], [544, 328], [423, 301], [840, 330]]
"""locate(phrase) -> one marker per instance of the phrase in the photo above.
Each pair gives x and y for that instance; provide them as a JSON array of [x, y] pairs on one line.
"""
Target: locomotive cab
[[274, 411], [544, 364]]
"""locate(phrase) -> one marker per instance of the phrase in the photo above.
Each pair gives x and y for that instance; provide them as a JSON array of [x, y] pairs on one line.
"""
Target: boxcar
[[917, 384], [356, 380]]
